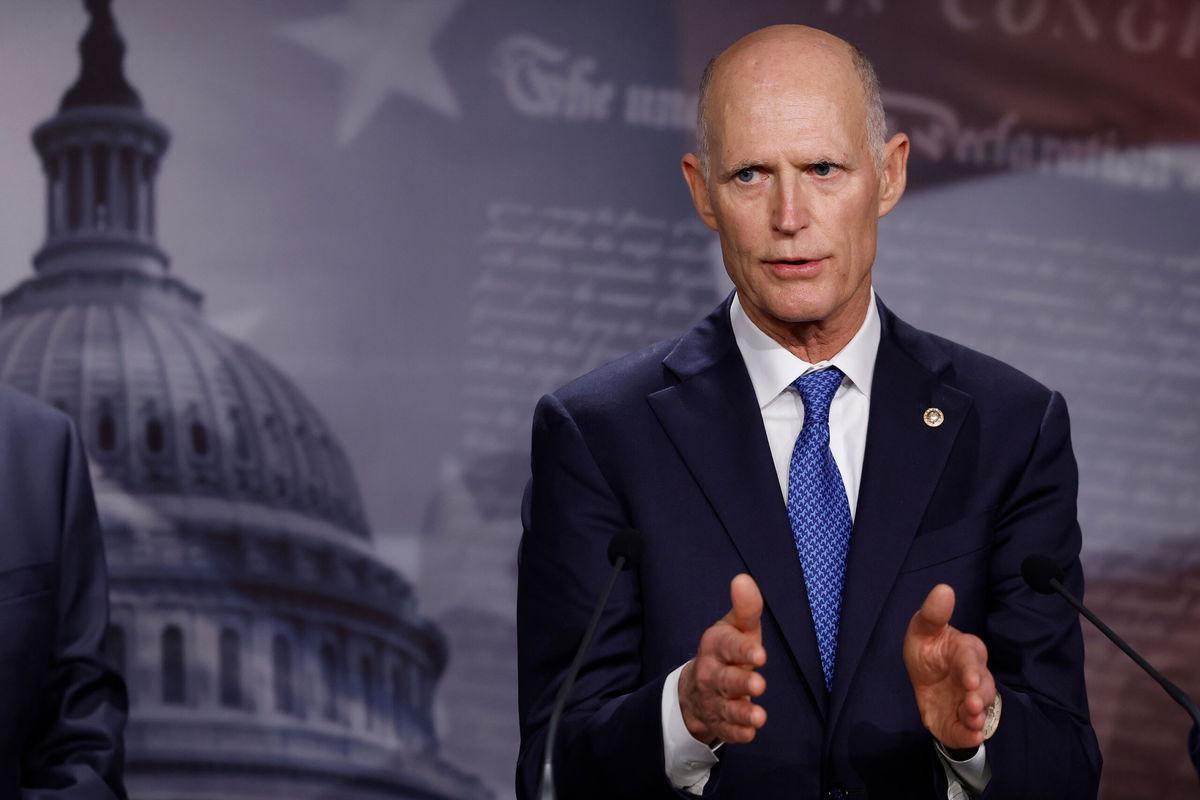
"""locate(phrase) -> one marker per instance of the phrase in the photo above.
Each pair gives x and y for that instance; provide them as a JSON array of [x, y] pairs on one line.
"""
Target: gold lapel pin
[[934, 417]]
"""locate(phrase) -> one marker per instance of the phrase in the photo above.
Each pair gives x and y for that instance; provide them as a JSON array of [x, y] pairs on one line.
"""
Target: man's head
[[793, 175]]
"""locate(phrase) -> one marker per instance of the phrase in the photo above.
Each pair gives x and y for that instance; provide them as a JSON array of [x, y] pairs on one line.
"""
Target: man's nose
[[789, 214]]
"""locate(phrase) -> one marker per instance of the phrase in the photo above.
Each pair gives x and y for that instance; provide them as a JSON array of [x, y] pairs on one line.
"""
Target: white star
[[383, 46]]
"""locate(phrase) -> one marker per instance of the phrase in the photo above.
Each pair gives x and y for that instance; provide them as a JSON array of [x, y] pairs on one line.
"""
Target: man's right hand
[[717, 686]]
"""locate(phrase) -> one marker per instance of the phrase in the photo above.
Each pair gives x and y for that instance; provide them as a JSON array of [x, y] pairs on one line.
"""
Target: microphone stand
[[1043, 576], [1177, 694], [624, 551]]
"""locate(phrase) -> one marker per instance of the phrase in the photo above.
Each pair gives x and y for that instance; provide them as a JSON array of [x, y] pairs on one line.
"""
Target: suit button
[[836, 793]]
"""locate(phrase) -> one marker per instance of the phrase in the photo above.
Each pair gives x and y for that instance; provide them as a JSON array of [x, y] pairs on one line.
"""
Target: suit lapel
[[713, 420], [901, 467]]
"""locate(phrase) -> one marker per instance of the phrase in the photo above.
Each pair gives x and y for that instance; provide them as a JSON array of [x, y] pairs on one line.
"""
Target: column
[[52, 173], [59, 196], [150, 221], [87, 192], [113, 200], [143, 196]]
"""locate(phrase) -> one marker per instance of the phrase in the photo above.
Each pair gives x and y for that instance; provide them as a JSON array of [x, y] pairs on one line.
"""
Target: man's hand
[[716, 687], [949, 674]]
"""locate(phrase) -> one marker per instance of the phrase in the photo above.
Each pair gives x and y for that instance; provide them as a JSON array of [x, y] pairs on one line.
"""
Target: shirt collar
[[772, 367]]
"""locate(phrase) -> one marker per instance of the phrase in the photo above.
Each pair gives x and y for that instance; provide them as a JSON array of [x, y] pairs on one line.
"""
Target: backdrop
[[427, 213]]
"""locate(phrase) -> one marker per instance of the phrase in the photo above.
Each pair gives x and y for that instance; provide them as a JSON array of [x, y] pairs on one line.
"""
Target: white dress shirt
[[772, 368]]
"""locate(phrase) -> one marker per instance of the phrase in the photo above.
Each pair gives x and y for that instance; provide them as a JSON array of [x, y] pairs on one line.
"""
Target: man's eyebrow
[[738, 166], [820, 158]]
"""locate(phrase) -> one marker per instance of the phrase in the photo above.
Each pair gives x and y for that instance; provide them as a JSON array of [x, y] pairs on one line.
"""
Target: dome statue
[[269, 651]]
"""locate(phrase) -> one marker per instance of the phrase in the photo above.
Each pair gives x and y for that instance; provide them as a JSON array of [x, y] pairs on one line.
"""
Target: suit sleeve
[[1045, 746], [610, 738], [76, 750]]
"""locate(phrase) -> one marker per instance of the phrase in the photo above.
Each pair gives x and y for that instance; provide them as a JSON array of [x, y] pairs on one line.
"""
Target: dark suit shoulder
[[990, 381], [615, 385], [22, 415]]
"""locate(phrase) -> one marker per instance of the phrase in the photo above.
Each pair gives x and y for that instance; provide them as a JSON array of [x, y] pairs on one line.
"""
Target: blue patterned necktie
[[819, 512]]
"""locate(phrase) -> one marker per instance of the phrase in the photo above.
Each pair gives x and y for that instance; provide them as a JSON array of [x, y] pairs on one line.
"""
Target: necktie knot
[[816, 392]]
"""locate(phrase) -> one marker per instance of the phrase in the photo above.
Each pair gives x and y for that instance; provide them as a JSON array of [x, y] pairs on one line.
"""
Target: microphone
[[624, 552], [1044, 577]]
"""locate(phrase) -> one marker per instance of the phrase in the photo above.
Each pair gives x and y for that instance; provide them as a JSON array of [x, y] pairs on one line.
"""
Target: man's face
[[793, 188]]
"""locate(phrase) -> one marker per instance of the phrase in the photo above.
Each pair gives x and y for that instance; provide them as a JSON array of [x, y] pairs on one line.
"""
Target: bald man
[[834, 504]]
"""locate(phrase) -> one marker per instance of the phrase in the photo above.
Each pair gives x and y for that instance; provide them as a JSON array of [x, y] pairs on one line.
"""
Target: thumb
[[746, 604], [934, 614]]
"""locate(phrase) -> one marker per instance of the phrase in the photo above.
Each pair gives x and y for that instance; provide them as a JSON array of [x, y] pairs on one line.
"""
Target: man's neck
[[817, 340]]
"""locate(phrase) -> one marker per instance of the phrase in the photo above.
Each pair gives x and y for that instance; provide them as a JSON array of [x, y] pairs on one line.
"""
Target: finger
[[969, 656], [934, 615], [747, 604], [731, 646], [971, 713], [742, 714], [738, 682], [987, 689], [736, 734], [973, 710]]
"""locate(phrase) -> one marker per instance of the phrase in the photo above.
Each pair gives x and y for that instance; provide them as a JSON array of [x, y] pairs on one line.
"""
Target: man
[[853, 468], [62, 707]]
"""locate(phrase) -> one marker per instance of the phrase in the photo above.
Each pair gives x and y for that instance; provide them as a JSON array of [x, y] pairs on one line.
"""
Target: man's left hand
[[949, 674]]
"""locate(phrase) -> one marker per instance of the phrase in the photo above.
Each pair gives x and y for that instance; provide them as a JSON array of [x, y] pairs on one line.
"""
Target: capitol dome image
[[268, 649]]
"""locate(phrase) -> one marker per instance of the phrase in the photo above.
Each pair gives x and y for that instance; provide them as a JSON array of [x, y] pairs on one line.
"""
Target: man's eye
[[746, 175], [823, 169]]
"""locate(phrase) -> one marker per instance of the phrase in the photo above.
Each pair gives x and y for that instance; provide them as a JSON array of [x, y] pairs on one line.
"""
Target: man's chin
[[814, 313], [801, 313]]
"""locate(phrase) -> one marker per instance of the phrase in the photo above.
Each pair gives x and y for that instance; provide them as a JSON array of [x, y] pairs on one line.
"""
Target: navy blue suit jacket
[[62, 708], [670, 441]]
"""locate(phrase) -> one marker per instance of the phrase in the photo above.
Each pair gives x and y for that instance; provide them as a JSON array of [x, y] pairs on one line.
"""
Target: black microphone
[[624, 552], [1044, 577]]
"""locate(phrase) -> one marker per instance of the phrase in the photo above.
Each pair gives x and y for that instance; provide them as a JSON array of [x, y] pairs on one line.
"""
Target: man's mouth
[[794, 263]]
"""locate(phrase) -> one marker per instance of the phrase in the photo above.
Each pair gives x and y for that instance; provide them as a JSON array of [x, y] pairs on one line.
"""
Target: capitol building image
[[269, 651]]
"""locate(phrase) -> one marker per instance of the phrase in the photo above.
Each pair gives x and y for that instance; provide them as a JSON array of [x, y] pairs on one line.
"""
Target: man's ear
[[894, 175], [693, 173]]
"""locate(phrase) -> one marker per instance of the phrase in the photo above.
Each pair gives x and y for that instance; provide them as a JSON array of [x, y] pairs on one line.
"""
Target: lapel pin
[[934, 417]]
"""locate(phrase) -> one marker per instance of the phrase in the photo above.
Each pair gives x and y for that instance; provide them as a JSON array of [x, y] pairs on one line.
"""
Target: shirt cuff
[[688, 761], [973, 774]]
